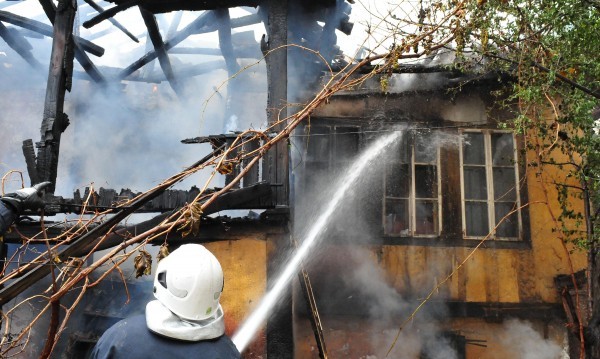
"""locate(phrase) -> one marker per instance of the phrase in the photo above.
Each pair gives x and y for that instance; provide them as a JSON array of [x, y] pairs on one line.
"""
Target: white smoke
[[522, 341]]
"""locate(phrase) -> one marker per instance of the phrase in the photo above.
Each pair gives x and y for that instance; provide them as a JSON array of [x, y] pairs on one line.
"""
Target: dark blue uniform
[[7, 217], [131, 339]]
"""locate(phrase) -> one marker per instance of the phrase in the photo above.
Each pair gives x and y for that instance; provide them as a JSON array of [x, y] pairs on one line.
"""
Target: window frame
[[490, 201], [412, 198]]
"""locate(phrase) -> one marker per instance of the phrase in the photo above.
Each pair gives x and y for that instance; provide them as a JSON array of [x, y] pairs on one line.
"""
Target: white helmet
[[189, 282]]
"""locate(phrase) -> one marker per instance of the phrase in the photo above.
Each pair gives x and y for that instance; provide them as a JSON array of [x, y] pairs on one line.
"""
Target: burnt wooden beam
[[162, 6], [240, 52], [251, 177], [199, 22], [30, 160], [159, 48], [108, 13], [80, 54], [276, 163], [257, 197], [225, 44], [115, 23], [55, 121], [47, 30], [21, 46], [202, 24], [279, 328]]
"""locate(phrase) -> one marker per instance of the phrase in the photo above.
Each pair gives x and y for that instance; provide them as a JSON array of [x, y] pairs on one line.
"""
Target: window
[[329, 150], [489, 185], [411, 197]]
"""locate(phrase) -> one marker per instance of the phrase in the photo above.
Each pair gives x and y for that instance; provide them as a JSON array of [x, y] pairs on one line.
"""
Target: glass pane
[[403, 149], [346, 143], [476, 219], [397, 180], [425, 181], [504, 184], [426, 220], [510, 226], [473, 149], [475, 183], [502, 149], [318, 144], [396, 218], [425, 149]]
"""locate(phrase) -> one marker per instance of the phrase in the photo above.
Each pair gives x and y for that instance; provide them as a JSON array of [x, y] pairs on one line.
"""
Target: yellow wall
[[244, 269]]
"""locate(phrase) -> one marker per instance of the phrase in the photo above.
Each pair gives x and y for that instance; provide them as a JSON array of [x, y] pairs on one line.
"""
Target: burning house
[[393, 218]]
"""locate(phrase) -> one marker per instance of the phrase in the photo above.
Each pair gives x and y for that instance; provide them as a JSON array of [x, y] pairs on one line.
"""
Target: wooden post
[[280, 331], [59, 81]]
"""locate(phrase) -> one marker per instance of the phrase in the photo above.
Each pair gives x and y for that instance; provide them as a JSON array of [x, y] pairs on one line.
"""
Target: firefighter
[[185, 320], [13, 204]]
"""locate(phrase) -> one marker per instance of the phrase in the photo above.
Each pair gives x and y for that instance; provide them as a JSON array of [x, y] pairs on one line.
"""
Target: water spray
[[249, 328]]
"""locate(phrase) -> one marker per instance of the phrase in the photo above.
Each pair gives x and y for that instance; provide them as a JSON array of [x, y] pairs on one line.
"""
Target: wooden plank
[[80, 54], [47, 30], [159, 48], [115, 23], [21, 46], [203, 24], [200, 22]]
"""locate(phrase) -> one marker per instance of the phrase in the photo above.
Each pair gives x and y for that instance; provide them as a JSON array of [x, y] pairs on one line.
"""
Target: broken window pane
[[476, 218], [502, 149], [346, 143], [504, 184], [426, 217], [475, 183], [508, 228], [396, 217], [397, 180], [403, 149], [425, 149], [473, 149], [425, 181], [318, 144]]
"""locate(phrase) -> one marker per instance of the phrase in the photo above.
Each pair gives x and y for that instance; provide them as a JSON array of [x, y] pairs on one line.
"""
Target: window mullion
[[412, 213], [490, 182], [462, 184], [438, 171]]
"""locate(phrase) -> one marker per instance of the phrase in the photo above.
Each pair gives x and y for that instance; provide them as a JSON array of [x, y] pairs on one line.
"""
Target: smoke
[[126, 135], [521, 340]]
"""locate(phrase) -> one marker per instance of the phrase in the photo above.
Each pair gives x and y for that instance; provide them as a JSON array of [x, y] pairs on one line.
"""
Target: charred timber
[[162, 6], [47, 30], [17, 42], [204, 23], [244, 52], [59, 81], [159, 48], [80, 54], [258, 196], [115, 23]]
